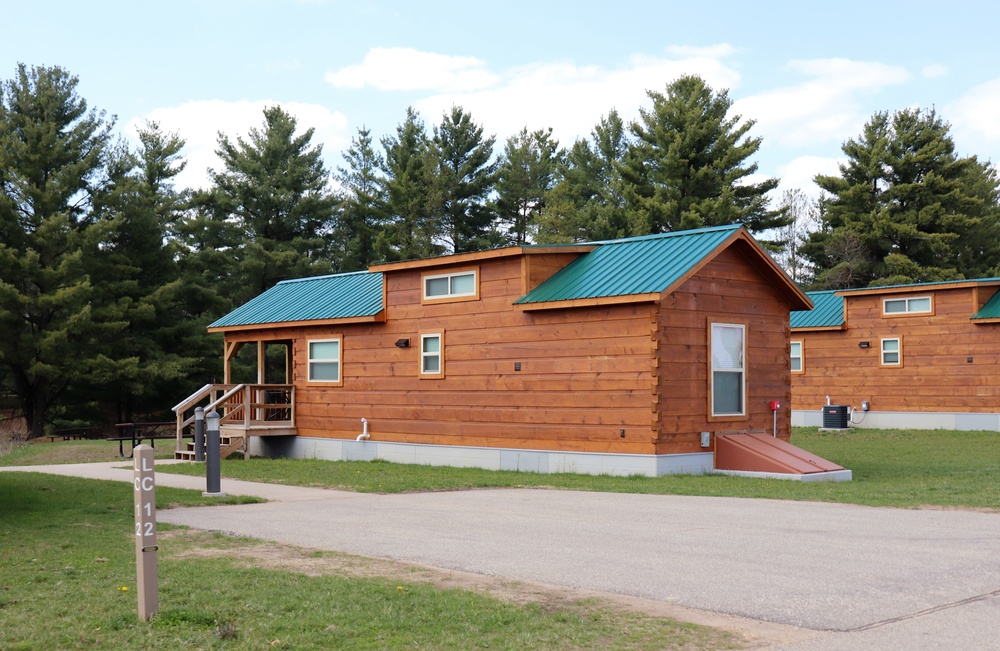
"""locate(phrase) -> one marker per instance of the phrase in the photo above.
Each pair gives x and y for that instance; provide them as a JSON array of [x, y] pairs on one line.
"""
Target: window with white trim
[[324, 360], [796, 357], [892, 351], [432, 355], [728, 352], [461, 284], [915, 305]]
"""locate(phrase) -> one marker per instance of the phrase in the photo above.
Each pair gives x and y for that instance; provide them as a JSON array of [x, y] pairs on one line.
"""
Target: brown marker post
[[144, 482]]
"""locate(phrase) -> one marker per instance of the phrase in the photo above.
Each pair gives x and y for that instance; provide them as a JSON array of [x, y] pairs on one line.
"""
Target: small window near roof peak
[[916, 305]]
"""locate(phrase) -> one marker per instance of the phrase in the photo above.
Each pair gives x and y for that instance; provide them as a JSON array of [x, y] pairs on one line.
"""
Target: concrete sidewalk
[[856, 577], [122, 471]]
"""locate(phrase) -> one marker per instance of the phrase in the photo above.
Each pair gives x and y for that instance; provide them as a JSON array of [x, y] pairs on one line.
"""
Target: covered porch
[[265, 407]]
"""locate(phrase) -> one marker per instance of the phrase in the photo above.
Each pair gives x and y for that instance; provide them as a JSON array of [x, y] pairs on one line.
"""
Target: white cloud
[[824, 107], [975, 116], [801, 171], [401, 69], [571, 98], [199, 123], [934, 70]]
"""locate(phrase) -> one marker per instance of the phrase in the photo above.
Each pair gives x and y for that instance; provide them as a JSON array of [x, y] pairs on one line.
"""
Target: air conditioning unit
[[836, 417]]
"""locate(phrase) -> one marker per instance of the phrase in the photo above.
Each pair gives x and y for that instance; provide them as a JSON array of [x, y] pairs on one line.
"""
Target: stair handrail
[[182, 407]]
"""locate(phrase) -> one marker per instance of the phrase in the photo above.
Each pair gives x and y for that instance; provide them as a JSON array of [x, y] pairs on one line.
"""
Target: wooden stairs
[[245, 410], [227, 444]]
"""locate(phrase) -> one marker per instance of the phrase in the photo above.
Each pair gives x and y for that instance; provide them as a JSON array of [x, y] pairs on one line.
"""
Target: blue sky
[[809, 74]]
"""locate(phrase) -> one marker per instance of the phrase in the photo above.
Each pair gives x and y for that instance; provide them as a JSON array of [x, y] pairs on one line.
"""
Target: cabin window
[[916, 305], [728, 353], [432, 355], [460, 285], [796, 355], [892, 352], [324, 361]]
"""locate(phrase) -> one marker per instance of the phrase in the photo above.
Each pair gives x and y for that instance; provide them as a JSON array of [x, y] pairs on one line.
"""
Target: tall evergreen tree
[[359, 235], [52, 155], [135, 275], [588, 202], [526, 174], [905, 208], [275, 188], [689, 163], [465, 180], [410, 172]]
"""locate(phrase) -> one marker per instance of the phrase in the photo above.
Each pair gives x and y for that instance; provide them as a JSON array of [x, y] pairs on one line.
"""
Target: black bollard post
[[199, 433], [212, 469]]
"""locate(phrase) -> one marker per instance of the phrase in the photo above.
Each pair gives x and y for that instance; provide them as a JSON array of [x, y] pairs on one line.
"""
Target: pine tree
[[905, 208], [275, 188], [410, 172], [464, 181], [363, 198], [52, 155], [525, 176], [688, 164], [587, 202], [135, 276]]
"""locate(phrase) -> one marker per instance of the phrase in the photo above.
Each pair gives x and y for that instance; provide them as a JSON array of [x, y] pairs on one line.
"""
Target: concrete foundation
[[545, 461], [905, 420]]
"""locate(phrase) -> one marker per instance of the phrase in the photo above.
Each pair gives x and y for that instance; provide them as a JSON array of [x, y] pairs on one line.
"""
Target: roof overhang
[[589, 302], [478, 256], [375, 318], [821, 328], [921, 288]]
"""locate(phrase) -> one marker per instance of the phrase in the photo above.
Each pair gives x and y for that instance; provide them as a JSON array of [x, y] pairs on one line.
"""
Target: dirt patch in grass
[[187, 543]]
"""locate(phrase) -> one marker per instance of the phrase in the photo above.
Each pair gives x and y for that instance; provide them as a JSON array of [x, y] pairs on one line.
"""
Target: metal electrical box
[[835, 417]]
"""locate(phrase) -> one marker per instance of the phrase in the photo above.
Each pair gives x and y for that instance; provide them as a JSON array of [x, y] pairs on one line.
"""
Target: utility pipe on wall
[[363, 436]]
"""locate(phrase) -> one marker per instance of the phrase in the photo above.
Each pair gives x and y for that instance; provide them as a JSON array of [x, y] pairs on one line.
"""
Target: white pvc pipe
[[363, 436]]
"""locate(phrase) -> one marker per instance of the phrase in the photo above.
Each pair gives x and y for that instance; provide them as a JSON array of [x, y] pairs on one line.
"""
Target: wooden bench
[[139, 432]]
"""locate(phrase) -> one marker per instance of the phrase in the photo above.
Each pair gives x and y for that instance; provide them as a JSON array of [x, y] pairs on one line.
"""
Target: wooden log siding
[[726, 290], [935, 375], [586, 374]]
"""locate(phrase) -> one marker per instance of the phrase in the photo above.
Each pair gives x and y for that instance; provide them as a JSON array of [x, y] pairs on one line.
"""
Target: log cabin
[[630, 356], [921, 356]]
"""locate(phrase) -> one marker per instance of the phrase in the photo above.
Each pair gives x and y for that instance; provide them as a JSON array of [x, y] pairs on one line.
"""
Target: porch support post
[[230, 348], [261, 362]]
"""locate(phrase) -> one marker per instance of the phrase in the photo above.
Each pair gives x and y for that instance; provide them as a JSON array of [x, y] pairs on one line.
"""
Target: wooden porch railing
[[245, 405]]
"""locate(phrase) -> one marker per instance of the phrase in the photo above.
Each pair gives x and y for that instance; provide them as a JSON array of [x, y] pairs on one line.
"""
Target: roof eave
[[832, 328], [589, 302], [368, 318]]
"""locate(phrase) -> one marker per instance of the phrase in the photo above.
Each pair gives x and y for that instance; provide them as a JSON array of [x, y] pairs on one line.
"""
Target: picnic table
[[139, 432], [76, 433]]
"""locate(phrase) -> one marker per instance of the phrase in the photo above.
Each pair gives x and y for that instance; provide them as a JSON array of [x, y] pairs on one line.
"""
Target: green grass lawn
[[67, 581], [903, 468], [45, 452]]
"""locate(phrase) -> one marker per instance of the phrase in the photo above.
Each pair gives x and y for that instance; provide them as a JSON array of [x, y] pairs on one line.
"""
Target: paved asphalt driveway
[[872, 578]]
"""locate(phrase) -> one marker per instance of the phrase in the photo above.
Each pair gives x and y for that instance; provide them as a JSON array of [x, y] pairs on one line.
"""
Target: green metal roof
[[991, 310], [827, 312], [638, 265], [917, 286], [341, 296]]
